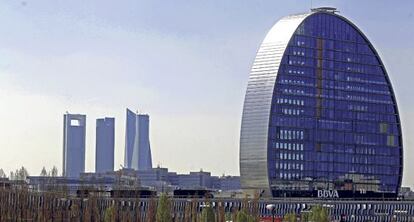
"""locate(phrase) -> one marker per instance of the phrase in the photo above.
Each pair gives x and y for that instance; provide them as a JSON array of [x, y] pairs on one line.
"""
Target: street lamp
[[272, 208]]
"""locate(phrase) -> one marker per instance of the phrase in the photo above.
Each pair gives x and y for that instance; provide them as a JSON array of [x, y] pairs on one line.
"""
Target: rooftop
[[325, 9]]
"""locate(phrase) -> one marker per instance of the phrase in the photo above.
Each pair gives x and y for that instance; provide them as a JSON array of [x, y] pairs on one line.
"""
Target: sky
[[185, 63]]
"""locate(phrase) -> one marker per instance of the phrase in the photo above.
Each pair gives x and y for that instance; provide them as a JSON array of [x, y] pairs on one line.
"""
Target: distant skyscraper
[[105, 139], [73, 144], [137, 146]]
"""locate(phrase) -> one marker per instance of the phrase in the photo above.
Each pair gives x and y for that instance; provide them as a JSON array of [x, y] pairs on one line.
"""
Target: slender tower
[[105, 143], [137, 145]]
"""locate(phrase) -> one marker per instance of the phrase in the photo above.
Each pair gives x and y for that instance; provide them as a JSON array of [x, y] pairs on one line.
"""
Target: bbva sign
[[328, 194]]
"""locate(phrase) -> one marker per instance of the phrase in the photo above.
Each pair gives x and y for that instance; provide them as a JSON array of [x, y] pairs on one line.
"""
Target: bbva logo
[[328, 194]]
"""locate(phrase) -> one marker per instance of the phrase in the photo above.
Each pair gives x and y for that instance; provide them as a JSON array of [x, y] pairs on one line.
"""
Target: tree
[[54, 172], [290, 217], [304, 217], [243, 216], [207, 215], [194, 210], [23, 174], [43, 173], [319, 214], [2, 174], [254, 210], [164, 209], [19, 174], [151, 213], [228, 216], [247, 214], [16, 174], [221, 217]]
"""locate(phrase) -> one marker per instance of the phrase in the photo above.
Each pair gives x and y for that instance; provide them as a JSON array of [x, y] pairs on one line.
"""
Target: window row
[[295, 112], [289, 175], [335, 136], [325, 168], [332, 104], [331, 54], [290, 134], [290, 156], [308, 71], [288, 146], [289, 166], [352, 138], [327, 61], [297, 102], [320, 43], [334, 94], [370, 160], [331, 65], [361, 126], [349, 151], [298, 81]]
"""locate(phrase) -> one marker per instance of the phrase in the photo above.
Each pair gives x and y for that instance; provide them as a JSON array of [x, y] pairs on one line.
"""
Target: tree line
[[22, 173], [23, 205]]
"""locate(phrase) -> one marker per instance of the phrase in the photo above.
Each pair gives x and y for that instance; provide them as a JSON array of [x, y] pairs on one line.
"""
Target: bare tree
[[19, 174], [16, 174], [43, 173], [2, 174], [23, 173], [151, 210], [54, 172]]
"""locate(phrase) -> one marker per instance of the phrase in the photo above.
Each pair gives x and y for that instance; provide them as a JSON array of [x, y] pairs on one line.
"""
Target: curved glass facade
[[333, 122]]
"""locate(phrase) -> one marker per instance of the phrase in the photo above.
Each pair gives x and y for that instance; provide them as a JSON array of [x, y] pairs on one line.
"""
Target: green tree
[[164, 209], [109, 214], [228, 216], [319, 214], [290, 217], [304, 217], [207, 215], [244, 216]]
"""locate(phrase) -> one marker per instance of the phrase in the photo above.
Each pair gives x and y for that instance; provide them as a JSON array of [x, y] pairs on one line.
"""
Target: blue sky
[[186, 63]]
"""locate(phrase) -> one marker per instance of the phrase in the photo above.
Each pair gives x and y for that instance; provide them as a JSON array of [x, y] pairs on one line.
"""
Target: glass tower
[[320, 113], [137, 145], [74, 126], [105, 143]]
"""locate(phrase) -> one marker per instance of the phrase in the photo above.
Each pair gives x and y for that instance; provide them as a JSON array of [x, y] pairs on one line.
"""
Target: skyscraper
[[105, 142], [320, 114], [137, 145], [73, 144]]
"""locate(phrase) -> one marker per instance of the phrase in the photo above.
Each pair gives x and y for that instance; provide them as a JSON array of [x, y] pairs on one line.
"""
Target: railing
[[21, 203]]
